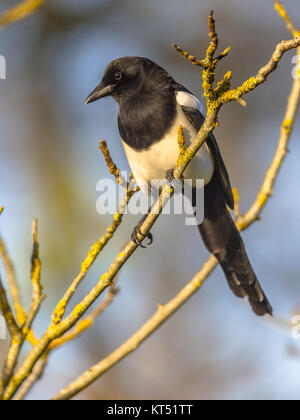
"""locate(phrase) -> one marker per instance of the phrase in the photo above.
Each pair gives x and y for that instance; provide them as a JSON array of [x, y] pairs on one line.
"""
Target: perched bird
[[152, 105]]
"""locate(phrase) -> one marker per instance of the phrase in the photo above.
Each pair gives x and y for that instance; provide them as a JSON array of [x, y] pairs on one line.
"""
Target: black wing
[[197, 119]]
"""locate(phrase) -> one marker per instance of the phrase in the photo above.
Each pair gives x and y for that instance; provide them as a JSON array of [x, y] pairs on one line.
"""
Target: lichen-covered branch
[[261, 76], [16, 339], [86, 322], [283, 13], [83, 325], [222, 94], [37, 288], [19, 335], [102, 242], [14, 290]]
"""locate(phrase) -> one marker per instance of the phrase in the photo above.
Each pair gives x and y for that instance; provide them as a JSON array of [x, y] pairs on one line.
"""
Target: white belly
[[150, 165]]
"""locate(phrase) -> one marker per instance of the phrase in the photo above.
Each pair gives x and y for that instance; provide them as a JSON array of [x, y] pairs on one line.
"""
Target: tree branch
[[12, 283], [37, 289], [37, 373], [102, 242], [20, 335], [83, 325]]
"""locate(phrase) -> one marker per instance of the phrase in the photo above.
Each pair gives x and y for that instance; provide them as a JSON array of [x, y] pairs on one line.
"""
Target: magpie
[[152, 105]]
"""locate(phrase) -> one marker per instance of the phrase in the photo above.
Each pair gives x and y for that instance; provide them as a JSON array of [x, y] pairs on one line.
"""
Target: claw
[[150, 237], [174, 182], [135, 237], [170, 176]]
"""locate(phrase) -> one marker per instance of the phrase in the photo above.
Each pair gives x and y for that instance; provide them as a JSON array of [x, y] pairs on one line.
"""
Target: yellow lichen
[[117, 217], [208, 76], [181, 144], [287, 125], [235, 94], [224, 85], [59, 312], [78, 311]]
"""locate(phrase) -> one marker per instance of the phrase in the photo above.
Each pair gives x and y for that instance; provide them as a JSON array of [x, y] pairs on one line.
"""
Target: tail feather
[[222, 239]]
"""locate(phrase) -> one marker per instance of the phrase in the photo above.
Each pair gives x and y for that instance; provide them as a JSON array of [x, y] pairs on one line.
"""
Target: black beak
[[100, 92]]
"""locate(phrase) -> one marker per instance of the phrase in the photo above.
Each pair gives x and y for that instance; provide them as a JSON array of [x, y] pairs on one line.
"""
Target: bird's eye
[[118, 75]]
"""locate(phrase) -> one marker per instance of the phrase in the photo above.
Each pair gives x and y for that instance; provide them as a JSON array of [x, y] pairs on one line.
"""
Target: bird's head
[[127, 76]]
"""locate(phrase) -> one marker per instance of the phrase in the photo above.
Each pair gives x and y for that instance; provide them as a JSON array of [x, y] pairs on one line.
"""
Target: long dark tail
[[222, 239]]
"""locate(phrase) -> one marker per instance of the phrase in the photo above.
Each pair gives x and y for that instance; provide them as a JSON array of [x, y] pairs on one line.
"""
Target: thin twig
[[87, 321], [37, 297], [261, 76], [37, 288], [12, 283], [83, 325], [36, 375], [20, 11], [112, 167], [283, 13], [16, 339]]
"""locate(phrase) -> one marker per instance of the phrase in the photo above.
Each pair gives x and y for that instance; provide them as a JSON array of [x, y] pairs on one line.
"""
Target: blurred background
[[214, 347]]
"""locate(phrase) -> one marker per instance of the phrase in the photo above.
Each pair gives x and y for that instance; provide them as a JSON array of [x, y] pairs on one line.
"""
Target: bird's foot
[[173, 182], [170, 176], [138, 237]]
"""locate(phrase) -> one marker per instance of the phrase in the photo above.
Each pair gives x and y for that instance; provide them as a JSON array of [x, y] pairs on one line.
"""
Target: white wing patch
[[187, 99]]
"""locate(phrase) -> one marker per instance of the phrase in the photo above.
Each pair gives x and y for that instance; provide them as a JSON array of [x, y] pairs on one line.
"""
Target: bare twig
[[16, 339], [35, 375], [112, 167], [12, 283], [283, 13], [261, 76], [194, 60], [37, 289]]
